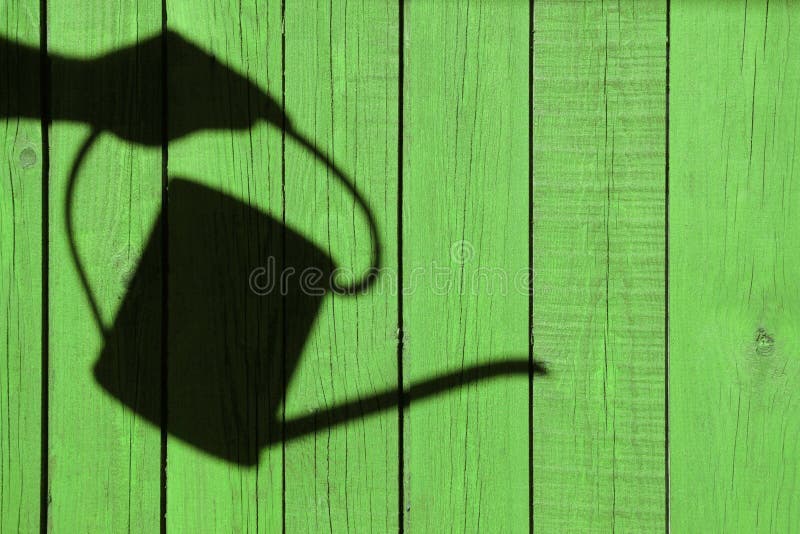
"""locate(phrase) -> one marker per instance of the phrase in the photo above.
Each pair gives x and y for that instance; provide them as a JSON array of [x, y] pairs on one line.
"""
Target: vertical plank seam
[[530, 263], [283, 253], [400, 322], [44, 67], [666, 275], [164, 267]]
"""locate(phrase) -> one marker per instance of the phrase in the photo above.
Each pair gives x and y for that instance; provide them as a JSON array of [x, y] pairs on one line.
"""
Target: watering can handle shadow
[[371, 274], [73, 247], [360, 285]]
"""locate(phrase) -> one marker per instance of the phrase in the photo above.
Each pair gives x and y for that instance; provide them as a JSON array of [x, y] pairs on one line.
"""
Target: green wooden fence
[[587, 312]]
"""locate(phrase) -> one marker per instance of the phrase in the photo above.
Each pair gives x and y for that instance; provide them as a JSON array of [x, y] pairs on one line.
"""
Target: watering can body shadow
[[230, 346], [218, 379]]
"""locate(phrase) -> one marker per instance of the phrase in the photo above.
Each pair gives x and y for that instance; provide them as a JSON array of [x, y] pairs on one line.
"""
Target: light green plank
[[223, 341], [104, 460], [599, 302], [20, 270], [734, 267], [465, 255], [341, 93]]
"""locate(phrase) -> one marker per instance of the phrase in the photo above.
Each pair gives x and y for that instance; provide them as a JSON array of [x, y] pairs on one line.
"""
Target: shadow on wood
[[230, 350]]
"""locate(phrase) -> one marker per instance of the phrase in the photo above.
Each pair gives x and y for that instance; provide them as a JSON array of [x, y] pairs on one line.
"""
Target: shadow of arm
[[20, 80]]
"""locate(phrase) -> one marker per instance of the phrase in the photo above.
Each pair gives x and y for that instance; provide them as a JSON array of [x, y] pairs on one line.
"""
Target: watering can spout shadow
[[220, 380], [378, 402]]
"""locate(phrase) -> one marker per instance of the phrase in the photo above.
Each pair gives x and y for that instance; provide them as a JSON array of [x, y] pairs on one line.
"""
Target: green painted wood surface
[[449, 178], [341, 86], [599, 230], [465, 255], [21, 216], [103, 461], [734, 265]]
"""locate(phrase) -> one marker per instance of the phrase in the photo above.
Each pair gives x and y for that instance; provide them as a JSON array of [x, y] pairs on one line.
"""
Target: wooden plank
[[341, 93], [465, 264], [104, 460], [734, 266], [599, 197], [224, 462], [21, 267]]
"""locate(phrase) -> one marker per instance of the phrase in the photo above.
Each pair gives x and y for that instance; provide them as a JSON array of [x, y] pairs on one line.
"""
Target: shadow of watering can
[[230, 351]]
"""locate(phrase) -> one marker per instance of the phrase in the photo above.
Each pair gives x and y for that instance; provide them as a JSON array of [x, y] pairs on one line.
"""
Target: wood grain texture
[[341, 75], [734, 266], [21, 215], [599, 302], [465, 253], [206, 493], [104, 461], [598, 207]]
